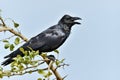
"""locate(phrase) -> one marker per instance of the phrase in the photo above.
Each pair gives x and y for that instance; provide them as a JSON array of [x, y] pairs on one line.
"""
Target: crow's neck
[[66, 27]]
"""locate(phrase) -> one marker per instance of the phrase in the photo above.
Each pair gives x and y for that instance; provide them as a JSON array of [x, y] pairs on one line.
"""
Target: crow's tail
[[11, 56], [8, 61]]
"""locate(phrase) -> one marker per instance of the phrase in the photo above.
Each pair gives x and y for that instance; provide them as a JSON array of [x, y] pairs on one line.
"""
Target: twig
[[49, 66], [7, 38], [2, 21], [34, 66], [61, 65], [22, 73], [58, 76], [14, 32], [65, 77]]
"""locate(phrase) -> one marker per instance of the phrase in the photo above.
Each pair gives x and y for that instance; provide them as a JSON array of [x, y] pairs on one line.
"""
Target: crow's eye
[[68, 18]]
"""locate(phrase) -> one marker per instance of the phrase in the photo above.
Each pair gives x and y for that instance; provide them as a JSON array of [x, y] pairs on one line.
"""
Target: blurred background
[[92, 49]]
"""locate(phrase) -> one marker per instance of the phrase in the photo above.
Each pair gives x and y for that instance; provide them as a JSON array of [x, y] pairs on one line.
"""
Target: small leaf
[[43, 54], [62, 60], [11, 47], [30, 72], [22, 50], [37, 52], [7, 46], [31, 54], [56, 51], [1, 69], [15, 58], [1, 74], [17, 41], [57, 62], [27, 57], [6, 41], [16, 25], [7, 72], [21, 67], [48, 74], [39, 79], [14, 69], [33, 63], [41, 72]]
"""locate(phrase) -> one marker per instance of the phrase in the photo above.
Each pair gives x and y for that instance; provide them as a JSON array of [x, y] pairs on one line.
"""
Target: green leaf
[[20, 59], [37, 52], [1, 74], [1, 69], [39, 79], [33, 63], [62, 60], [16, 25], [48, 74], [21, 67], [41, 72], [17, 41], [6, 41], [11, 47], [14, 69], [22, 50], [15, 58], [43, 54], [27, 58], [7, 45], [30, 72], [57, 62], [56, 51]]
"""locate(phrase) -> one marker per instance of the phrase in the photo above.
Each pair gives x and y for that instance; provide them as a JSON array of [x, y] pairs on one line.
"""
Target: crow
[[48, 40]]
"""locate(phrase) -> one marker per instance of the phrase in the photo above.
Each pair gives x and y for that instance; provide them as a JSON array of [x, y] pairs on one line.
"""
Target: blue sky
[[92, 49]]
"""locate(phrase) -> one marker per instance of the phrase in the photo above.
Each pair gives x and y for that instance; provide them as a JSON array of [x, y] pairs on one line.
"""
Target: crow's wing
[[47, 40], [35, 42]]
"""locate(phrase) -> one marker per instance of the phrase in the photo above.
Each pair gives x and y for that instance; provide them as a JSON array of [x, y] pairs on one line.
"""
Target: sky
[[92, 49]]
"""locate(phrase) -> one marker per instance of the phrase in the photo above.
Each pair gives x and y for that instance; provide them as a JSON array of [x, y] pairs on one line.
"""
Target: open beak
[[77, 18]]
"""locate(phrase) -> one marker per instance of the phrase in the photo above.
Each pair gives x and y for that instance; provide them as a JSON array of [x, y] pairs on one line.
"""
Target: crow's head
[[69, 20]]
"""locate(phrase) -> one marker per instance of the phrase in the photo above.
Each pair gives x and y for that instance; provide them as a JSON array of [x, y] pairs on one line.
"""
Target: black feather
[[48, 40]]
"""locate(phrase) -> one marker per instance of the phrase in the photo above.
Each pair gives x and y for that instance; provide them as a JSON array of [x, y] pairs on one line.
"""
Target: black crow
[[48, 40]]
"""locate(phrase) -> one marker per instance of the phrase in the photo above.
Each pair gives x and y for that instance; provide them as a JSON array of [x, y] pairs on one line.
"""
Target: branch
[[22, 73], [62, 65], [6, 28], [26, 70], [58, 76], [34, 66], [2, 21]]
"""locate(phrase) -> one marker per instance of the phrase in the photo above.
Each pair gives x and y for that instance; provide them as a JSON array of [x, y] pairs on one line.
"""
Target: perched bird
[[48, 40]]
